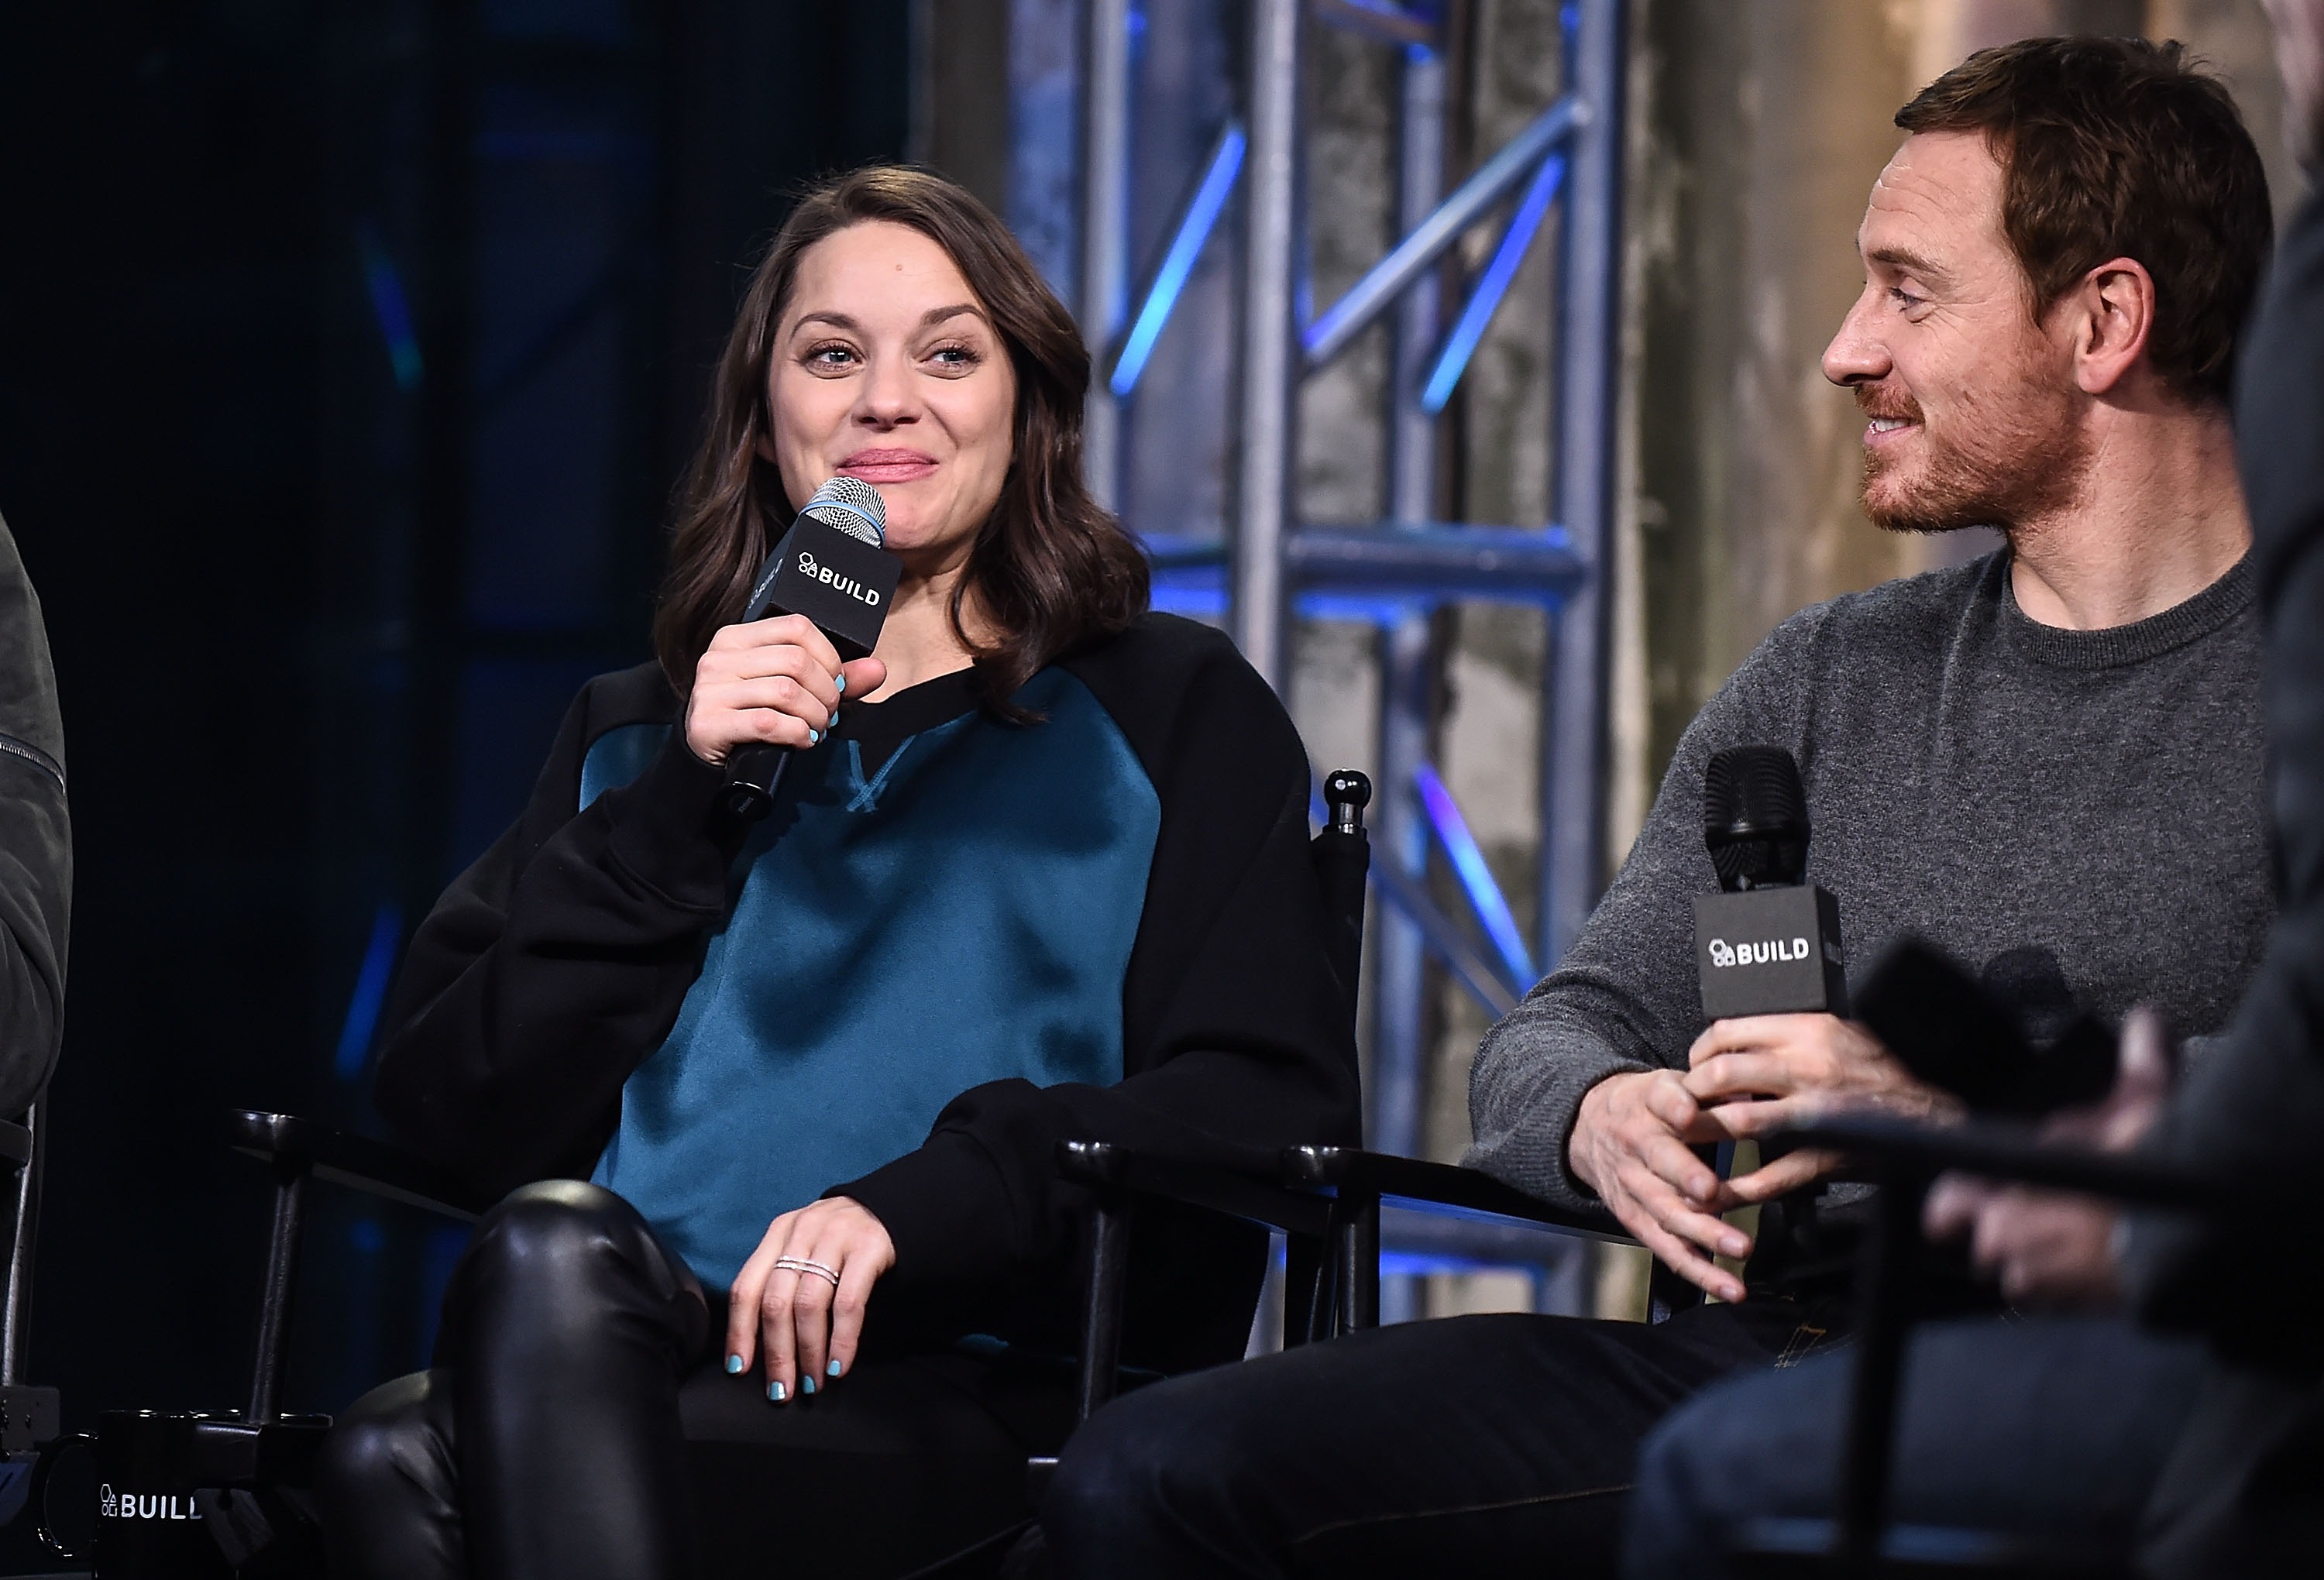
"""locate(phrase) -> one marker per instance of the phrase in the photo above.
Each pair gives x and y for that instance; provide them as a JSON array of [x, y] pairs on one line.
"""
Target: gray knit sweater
[[2080, 814]]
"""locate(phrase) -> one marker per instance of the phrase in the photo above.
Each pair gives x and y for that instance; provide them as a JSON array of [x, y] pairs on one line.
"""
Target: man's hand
[[1763, 1072], [1630, 1145], [2050, 1249]]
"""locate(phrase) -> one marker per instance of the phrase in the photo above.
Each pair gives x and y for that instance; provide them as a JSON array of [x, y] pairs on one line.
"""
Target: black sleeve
[[35, 844], [555, 964], [1236, 1040]]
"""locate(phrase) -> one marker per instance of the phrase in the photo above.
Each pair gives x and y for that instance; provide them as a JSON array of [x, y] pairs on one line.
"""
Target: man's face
[[1973, 408]]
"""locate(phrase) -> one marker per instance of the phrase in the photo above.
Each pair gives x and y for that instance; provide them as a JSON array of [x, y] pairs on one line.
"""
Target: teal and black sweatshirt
[[956, 942]]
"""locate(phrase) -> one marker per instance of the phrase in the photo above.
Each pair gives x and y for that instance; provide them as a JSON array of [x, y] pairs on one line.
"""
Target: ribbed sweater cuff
[[1525, 1145]]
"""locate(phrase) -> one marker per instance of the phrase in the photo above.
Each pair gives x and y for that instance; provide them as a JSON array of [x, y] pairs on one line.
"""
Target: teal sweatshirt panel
[[963, 915]]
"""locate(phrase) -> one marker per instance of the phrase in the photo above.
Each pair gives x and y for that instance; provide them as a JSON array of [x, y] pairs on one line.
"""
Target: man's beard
[[2014, 463]]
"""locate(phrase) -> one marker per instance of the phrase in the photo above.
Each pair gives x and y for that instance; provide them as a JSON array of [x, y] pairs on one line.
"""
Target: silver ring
[[801, 1265]]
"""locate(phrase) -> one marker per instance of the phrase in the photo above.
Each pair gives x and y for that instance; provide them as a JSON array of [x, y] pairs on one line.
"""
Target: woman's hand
[[810, 1323], [773, 682]]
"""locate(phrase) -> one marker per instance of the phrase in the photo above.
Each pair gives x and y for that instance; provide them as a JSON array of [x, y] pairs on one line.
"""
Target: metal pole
[[1573, 772], [1400, 979], [1889, 1273], [282, 1284], [1270, 356], [16, 1315], [1101, 1314], [1105, 233], [1420, 179]]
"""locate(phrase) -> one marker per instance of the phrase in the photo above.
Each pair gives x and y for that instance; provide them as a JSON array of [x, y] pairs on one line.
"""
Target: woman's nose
[[889, 394]]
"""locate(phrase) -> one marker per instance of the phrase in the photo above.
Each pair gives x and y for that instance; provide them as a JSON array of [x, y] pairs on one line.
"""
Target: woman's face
[[886, 368]]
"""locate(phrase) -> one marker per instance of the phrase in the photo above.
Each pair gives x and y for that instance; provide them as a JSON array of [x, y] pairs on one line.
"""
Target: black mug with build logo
[[150, 1467]]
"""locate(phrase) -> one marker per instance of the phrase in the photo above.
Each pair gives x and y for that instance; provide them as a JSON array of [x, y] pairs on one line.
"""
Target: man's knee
[[1142, 1463]]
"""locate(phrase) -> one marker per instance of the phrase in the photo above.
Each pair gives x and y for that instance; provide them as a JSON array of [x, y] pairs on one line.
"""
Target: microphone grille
[[853, 506], [1754, 817]]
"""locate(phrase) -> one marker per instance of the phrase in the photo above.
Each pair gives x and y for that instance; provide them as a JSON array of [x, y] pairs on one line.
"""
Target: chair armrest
[[1105, 1165], [2008, 1152], [1439, 1189], [376, 1167]]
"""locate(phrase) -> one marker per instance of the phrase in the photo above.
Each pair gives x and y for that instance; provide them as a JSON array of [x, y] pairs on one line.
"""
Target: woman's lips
[[877, 466]]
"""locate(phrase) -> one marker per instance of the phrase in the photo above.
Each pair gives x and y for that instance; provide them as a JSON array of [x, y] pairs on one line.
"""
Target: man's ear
[[2111, 315]]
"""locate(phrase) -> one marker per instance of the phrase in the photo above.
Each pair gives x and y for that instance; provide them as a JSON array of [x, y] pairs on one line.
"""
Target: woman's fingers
[[774, 698], [741, 1311], [777, 1331], [811, 1312], [847, 1305], [796, 631], [750, 1287], [780, 631], [864, 676]]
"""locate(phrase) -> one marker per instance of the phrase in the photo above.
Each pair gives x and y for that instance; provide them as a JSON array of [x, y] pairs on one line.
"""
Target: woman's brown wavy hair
[[1050, 568]]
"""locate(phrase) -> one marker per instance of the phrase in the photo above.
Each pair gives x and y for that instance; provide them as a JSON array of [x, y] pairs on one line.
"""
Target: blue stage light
[[1187, 247], [1468, 861], [390, 307], [371, 991], [1491, 286]]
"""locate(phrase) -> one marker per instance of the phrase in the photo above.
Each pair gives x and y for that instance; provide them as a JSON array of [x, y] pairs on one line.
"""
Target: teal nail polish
[[815, 738], [775, 1391], [734, 1365], [807, 1385], [833, 1368], [843, 685]]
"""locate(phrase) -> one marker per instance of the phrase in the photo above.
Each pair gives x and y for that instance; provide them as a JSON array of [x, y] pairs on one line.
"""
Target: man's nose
[[1856, 354]]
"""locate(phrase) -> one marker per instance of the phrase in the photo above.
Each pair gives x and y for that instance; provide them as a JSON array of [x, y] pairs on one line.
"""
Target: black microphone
[[1769, 943], [831, 568]]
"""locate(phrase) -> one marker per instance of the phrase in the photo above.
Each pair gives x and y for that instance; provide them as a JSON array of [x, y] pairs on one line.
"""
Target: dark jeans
[[1467, 1446], [579, 1423], [2054, 1428]]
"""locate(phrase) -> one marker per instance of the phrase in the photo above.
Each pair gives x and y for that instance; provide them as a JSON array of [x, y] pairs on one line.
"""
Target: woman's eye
[[960, 358], [831, 356]]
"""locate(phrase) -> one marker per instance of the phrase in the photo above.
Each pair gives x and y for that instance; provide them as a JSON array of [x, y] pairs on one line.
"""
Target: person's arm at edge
[[2254, 1111], [36, 866]]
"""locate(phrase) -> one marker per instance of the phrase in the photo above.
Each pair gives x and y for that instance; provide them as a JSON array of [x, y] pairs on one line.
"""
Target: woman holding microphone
[[784, 1273]]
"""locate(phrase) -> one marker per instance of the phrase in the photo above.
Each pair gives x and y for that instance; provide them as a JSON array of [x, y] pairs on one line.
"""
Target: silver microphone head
[[853, 506]]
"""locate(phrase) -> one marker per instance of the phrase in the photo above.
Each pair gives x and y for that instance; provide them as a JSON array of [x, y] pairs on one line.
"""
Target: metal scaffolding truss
[[1566, 158]]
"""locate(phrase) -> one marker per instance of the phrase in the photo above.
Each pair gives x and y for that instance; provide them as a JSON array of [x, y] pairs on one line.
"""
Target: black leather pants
[[577, 1424]]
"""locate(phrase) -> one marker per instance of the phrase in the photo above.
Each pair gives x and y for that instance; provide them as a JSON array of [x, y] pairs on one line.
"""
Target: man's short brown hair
[[2120, 147]]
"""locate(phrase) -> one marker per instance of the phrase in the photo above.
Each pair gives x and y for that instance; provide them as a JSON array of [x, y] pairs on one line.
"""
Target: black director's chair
[[1904, 1159], [1324, 1200]]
